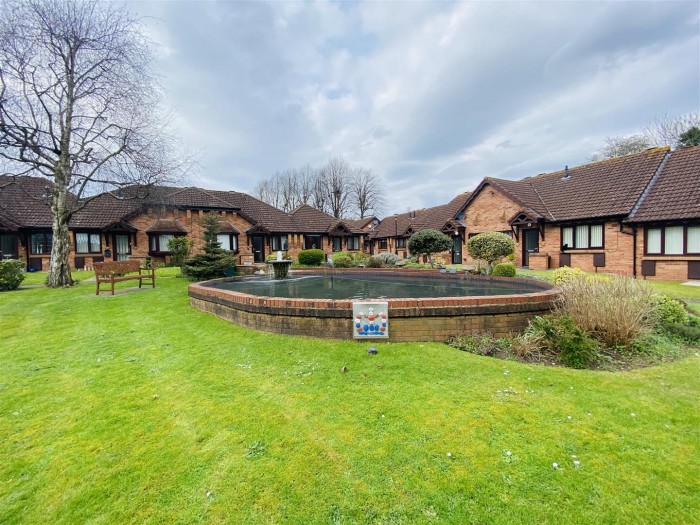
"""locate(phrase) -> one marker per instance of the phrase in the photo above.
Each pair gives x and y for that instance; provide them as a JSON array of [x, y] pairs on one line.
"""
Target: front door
[[530, 245], [457, 249], [258, 242], [122, 247]]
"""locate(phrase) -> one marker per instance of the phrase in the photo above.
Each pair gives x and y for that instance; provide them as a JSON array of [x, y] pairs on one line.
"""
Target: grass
[[138, 409]]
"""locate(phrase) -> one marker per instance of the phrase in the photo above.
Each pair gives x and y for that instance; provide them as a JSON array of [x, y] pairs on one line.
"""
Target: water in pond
[[377, 287]]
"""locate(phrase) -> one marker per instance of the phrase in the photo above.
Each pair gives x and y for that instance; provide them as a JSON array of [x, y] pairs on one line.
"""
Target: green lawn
[[138, 409]]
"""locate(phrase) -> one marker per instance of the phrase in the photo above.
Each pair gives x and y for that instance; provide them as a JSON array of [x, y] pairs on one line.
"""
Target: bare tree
[[366, 192], [619, 146], [79, 104], [666, 131], [307, 179], [336, 180]]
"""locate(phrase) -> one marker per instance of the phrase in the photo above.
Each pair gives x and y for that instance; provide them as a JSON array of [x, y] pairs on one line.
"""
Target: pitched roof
[[675, 193], [424, 219], [312, 220], [166, 226], [607, 188], [23, 202]]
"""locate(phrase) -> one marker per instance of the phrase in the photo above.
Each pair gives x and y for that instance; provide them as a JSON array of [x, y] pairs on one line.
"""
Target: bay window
[[158, 243]]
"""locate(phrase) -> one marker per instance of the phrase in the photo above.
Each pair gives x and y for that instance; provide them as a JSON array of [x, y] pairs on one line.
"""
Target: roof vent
[[567, 175]]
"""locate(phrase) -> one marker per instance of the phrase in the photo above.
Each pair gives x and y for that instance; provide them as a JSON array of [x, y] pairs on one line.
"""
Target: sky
[[431, 96]]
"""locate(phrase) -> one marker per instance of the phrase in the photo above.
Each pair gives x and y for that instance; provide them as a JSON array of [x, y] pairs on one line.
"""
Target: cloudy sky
[[432, 96]]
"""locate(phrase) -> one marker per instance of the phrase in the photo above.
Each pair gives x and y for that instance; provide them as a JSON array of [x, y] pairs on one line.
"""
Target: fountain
[[281, 267]]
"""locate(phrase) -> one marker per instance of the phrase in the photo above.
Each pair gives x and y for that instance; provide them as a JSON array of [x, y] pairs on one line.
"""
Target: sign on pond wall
[[370, 320]]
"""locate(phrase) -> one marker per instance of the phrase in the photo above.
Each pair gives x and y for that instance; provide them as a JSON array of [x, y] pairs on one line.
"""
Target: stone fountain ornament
[[281, 266]]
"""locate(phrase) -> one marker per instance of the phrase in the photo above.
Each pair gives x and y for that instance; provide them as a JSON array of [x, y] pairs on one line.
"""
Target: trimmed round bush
[[11, 274], [375, 262], [313, 257], [504, 270], [342, 260], [428, 242], [490, 247]]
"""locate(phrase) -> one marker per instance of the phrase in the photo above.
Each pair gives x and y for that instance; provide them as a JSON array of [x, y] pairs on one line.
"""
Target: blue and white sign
[[370, 320]]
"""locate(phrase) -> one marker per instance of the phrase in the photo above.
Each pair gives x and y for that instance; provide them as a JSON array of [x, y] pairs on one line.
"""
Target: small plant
[[490, 247], [504, 270], [428, 242], [11, 274], [560, 334], [439, 262], [255, 450], [565, 274], [375, 262], [313, 257], [342, 260], [670, 311], [387, 258], [479, 344], [688, 332], [180, 249]]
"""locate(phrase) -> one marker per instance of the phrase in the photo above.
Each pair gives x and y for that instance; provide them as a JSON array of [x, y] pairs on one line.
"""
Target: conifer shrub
[[215, 262]]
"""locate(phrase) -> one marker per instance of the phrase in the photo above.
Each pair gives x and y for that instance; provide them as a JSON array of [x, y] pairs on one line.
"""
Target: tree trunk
[[59, 271]]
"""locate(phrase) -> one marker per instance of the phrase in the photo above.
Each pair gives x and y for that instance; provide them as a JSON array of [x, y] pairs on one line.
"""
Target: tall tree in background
[[619, 146], [662, 131], [667, 131], [79, 104], [336, 175], [690, 138], [366, 192], [336, 188]]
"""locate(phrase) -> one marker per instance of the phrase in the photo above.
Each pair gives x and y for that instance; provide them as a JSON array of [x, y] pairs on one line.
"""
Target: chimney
[[567, 175]]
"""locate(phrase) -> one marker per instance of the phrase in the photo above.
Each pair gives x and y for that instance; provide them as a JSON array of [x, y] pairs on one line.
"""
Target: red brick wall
[[489, 211], [668, 268]]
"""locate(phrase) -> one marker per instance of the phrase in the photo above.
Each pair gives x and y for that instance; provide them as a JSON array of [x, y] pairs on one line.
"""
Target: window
[[337, 243], [693, 240], [279, 243], [672, 240], [41, 243], [228, 241], [87, 242], [382, 244], [312, 242], [8, 245], [401, 242], [353, 243], [582, 236], [159, 243]]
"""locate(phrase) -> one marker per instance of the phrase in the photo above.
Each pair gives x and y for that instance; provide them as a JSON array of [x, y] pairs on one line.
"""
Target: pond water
[[369, 286]]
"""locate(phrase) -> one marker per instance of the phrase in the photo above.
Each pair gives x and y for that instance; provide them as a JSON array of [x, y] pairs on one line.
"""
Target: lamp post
[[396, 233]]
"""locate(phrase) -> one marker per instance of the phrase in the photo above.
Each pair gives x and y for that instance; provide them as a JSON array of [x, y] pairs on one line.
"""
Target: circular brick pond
[[498, 305]]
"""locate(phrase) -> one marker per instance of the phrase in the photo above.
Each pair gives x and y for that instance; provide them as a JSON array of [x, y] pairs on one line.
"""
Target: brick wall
[[489, 211], [668, 268]]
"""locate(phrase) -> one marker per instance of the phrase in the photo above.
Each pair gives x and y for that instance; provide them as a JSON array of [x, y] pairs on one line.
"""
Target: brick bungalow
[[604, 216], [324, 232], [392, 233]]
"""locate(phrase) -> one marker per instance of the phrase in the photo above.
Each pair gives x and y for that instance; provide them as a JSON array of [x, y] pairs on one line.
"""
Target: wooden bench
[[118, 271]]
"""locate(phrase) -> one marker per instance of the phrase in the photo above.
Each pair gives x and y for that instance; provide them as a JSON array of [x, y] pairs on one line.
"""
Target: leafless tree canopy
[[666, 131], [619, 146], [336, 188], [662, 131], [79, 104]]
